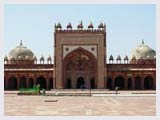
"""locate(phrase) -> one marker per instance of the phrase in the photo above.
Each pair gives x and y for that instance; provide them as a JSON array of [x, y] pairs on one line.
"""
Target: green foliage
[[34, 90]]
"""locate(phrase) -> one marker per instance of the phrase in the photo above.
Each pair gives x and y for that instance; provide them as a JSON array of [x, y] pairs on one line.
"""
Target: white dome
[[21, 53], [143, 51]]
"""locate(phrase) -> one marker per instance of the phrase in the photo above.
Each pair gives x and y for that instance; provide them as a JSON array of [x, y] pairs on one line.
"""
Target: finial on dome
[[142, 41], [81, 22], [21, 42]]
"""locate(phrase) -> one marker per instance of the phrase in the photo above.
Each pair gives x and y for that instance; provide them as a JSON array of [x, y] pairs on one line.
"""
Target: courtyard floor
[[143, 103]]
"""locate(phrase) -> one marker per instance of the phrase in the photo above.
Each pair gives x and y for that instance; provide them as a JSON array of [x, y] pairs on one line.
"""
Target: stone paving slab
[[15, 105]]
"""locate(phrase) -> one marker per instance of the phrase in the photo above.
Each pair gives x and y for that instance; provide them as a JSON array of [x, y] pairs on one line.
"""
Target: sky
[[127, 25]]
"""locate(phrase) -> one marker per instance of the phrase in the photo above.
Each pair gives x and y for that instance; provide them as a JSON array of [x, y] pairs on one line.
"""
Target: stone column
[[87, 82], [154, 82], [142, 83], [73, 82], [18, 82], [113, 83], [133, 82], [27, 82], [125, 83], [47, 82], [6, 82], [105, 83], [34, 81]]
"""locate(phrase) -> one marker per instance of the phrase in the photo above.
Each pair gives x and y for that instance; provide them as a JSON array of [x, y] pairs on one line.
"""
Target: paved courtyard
[[124, 104]]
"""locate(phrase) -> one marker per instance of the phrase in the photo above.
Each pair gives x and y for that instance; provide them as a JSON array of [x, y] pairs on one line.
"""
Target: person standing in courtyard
[[116, 89]]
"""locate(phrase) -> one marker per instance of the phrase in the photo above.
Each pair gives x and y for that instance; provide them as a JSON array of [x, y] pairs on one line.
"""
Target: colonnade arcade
[[128, 83], [137, 83], [15, 82]]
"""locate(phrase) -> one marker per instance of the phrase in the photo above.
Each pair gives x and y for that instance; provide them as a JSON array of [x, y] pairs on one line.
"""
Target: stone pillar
[[125, 83], [73, 82], [113, 87], [142, 83], [47, 82], [27, 82], [34, 81], [154, 83], [133, 83], [18, 82], [6, 82], [88, 82], [105, 83]]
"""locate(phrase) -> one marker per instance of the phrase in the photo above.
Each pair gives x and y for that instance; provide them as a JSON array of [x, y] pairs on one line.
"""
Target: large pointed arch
[[77, 57], [81, 60]]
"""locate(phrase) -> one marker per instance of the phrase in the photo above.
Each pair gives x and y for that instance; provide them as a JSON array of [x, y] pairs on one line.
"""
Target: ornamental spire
[[21, 42], [142, 41]]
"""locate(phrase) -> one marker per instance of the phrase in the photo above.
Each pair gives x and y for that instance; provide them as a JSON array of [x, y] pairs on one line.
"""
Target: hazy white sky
[[126, 24]]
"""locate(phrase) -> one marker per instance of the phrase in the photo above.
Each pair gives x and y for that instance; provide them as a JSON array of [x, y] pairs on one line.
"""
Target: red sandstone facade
[[80, 59]]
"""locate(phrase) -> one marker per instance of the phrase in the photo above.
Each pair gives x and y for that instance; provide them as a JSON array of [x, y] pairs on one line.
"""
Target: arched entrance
[[23, 82], [31, 83], [109, 83], [138, 83], [80, 62], [129, 83], [42, 82], [80, 82], [119, 82], [12, 83], [148, 82]]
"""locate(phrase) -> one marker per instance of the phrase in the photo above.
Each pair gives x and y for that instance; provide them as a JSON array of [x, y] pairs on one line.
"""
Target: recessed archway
[[79, 62], [42, 82], [80, 82], [12, 83], [148, 82], [119, 82]]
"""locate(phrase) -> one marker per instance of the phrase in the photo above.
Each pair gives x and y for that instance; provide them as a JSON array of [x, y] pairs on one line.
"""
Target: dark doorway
[[69, 83], [129, 83], [12, 83], [31, 83], [148, 83], [50, 83], [119, 82], [138, 83], [23, 82], [42, 82], [92, 83], [80, 82], [109, 83]]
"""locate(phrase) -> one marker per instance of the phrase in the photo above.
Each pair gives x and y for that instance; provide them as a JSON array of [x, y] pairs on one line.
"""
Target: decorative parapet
[[80, 28]]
